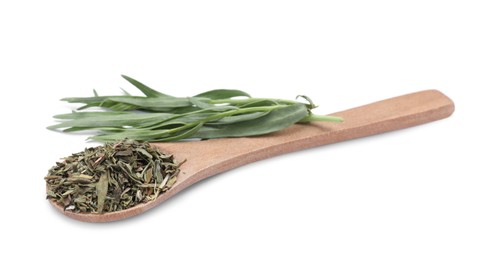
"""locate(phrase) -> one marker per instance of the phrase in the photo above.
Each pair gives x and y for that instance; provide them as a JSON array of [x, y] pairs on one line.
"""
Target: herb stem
[[314, 117], [245, 101], [225, 114]]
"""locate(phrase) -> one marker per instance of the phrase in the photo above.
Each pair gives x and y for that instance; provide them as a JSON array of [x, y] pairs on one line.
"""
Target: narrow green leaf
[[149, 92], [121, 107], [258, 103], [223, 93], [199, 103], [237, 118], [74, 129], [77, 115], [180, 136], [101, 101], [136, 134], [274, 121], [87, 100], [153, 102], [176, 122], [120, 120], [126, 93]]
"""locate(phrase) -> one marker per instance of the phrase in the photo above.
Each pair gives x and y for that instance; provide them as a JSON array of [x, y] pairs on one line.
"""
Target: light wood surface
[[210, 157]]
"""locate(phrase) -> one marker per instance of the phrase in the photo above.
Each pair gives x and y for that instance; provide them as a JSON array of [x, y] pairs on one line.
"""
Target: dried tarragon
[[112, 177]]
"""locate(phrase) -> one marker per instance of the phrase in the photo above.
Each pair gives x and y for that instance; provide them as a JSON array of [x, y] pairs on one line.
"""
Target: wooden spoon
[[210, 157]]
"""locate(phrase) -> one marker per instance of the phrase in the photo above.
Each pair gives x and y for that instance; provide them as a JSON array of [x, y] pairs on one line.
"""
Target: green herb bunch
[[158, 117]]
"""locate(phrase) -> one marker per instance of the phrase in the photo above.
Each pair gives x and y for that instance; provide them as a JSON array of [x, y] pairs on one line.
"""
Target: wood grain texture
[[210, 157]]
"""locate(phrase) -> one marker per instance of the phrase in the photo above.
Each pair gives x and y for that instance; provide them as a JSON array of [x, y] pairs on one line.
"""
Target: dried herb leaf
[[112, 177], [102, 187]]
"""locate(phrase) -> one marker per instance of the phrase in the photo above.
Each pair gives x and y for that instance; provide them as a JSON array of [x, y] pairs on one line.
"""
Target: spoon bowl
[[210, 157]]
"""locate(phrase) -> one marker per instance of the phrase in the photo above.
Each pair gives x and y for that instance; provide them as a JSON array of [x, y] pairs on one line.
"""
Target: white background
[[427, 192]]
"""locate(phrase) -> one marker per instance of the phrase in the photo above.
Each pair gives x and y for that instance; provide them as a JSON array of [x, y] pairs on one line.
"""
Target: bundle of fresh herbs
[[158, 117]]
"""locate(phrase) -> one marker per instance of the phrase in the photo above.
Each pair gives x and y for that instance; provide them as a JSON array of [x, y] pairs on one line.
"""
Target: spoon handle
[[219, 155], [383, 116]]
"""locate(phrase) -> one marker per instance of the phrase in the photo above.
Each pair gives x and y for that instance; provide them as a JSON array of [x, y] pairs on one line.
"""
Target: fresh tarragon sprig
[[158, 117]]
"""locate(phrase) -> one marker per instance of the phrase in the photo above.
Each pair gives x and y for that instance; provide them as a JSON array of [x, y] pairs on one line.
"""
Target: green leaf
[[179, 120], [274, 121], [101, 101], [260, 103], [199, 103], [238, 118], [153, 102], [149, 92], [121, 107], [135, 134], [76, 115], [126, 93], [110, 120], [183, 135], [74, 129], [87, 100], [223, 93]]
